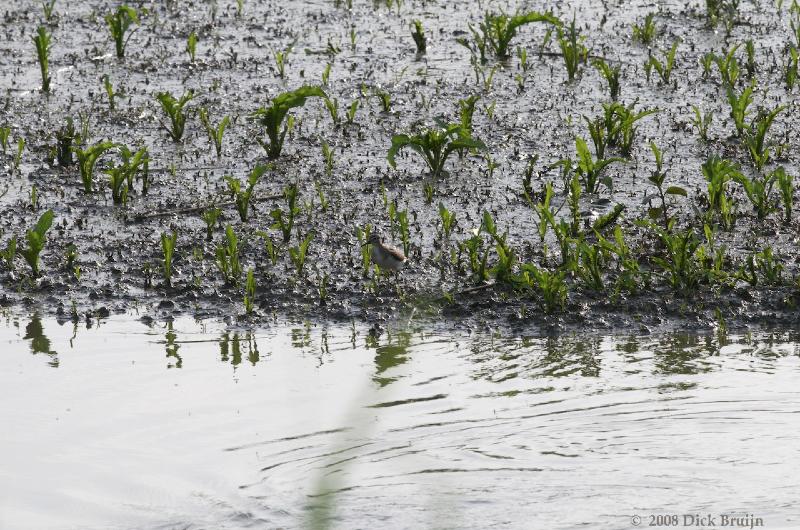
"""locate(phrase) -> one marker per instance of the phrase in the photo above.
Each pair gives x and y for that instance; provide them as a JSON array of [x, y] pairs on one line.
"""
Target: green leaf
[[676, 190]]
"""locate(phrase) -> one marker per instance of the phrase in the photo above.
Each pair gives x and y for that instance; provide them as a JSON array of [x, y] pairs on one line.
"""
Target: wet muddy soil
[[522, 113]]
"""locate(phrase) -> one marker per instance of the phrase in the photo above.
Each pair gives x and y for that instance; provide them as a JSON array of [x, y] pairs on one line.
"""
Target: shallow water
[[189, 425]]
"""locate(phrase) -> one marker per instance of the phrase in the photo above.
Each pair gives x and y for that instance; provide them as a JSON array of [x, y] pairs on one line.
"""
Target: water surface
[[191, 425]]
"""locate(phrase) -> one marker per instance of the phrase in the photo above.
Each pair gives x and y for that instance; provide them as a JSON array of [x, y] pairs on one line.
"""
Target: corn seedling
[[272, 118], [239, 8], [478, 256], [327, 155], [118, 24], [215, 133], [363, 237], [759, 191], [664, 69], [403, 228], [629, 271], [764, 265], [4, 134], [707, 61], [191, 46], [249, 292], [497, 30], [269, 246], [9, 253], [281, 58], [110, 93], [786, 187], [750, 65], [702, 121], [298, 254], [47, 9], [680, 265], [18, 156], [121, 177], [728, 67], [33, 197], [590, 170], [657, 179], [448, 220], [620, 121], [718, 172], [35, 240], [284, 221], [598, 134], [173, 108], [227, 257], [168, 250], [418, 34], [739, 104], [550, 286], [755, 137], [351, 112], [611, 75], [724, 11], [323, 200], [435, 145], [646, 32], [43, 44], [522, 55], [792, 70], [211, 217], [86, 161], [385, 98], [242, 197], [572, 49]]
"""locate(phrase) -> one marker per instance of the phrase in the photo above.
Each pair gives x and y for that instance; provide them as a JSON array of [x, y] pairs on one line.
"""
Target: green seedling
[[724, 11], [284, 221], [47, 9], [249, 292], [589, 170], [168, 250], [574, 202], [4, 134], [227, 257], [332, 105], [428, 191], [9, 253], [497, 30], [707, 61], [43, 44], [211, 217], [755, 137], [271, 118], [110, 93], [351, 112], [326, 74], [591, 265], [86, 161], [403, 228], [18, 156], [598, 134], [762, 265], [269, 246], [363, 237], [214, 132], [759, 191], [173, 108], [728, 67], [385, 98], [322, 289], [522, 55], [645, 33], [242, 197], [702, 122], [551, 286], [239, 8], [792, 70], [118, 24], [611, 75], [33, 196], [718, 172], [448, 219], [298, 254], [435, 145], [121, 177], [572, 49], [418, 34], [739, 104], [750, 65], [327, 156], [657, 179], [620, 123], [608, 219], [35, 240], [786, 187], [191, 46], [629, 271], [281, 58], [323, 201], [680, 265], [664, 69]]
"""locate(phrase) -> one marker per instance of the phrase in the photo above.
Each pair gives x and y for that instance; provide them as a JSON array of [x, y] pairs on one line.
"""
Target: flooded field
[[192, 425]]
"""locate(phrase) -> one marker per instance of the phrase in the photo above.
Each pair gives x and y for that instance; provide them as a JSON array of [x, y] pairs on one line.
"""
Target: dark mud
[[235, 73]]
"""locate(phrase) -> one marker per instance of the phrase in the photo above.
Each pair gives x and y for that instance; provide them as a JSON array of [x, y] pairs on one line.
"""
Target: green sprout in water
[[121, 177], [118, 24], [227, 257], [497, 30], [215, 133], [645, 33], [210, 217], [272, 117], [739, 104], [47, 9], [43, 44], [664, 69], [191, 46], [435, 145], [173, 108], [572, 49], [111, 93], [284, 221], [657, 179], [249, 292], [168, 250], [299, 254], [611, 75], [702, 121], [419, 37], [36, 240]]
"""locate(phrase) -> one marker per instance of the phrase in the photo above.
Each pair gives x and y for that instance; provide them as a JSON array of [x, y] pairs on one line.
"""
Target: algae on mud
[[529, 106]]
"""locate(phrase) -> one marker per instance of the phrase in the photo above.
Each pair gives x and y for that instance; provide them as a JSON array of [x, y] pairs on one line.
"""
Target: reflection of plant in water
[[389, 355], [230, 348], [34, 332], [172, 347]]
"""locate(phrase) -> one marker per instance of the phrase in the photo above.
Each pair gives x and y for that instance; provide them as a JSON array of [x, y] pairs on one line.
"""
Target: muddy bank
[[523, 111]]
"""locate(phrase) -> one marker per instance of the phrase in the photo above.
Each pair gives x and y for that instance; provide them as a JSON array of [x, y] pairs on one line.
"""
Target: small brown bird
[[384, 256]]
